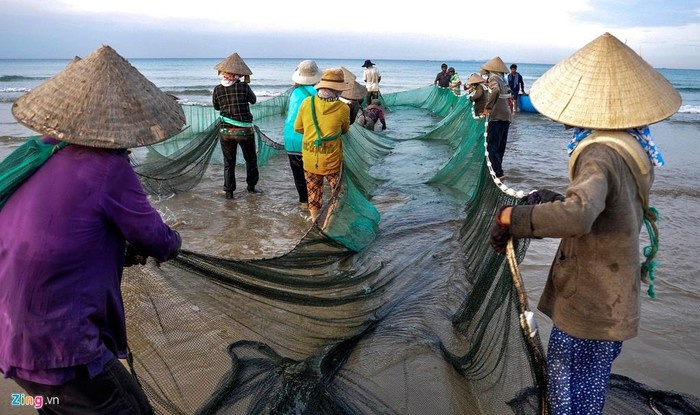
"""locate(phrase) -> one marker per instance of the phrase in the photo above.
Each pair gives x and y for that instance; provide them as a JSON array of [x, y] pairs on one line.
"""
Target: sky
[[665, 33]]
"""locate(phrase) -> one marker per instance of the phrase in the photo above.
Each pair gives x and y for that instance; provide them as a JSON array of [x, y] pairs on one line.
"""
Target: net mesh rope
[[341, 324]]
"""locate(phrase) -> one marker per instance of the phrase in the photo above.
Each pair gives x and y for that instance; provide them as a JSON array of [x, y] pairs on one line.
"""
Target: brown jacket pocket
[[564, 276]]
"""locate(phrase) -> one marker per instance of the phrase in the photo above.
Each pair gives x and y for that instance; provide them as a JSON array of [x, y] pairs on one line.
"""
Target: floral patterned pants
[[578, 371]]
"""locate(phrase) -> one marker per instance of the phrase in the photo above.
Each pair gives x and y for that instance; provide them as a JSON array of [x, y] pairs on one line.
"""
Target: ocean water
[[666, 354], [192, 80]]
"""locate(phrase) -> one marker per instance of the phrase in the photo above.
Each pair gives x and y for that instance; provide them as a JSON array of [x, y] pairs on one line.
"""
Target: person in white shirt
[[372, 77]]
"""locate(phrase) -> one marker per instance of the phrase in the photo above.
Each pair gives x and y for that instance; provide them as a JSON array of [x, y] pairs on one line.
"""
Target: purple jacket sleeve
[[126, 205]]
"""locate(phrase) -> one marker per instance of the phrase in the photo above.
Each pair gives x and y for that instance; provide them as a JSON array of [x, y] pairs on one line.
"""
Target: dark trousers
[[497, 136], [112, 392], [229, 149], [297, 165], [371, 95]]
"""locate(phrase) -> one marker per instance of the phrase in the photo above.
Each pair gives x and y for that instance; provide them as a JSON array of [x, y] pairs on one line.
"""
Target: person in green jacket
[[322, 120]]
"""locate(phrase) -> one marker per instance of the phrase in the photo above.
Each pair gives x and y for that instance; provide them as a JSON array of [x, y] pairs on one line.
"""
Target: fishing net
[[19, 165], [392, 302]]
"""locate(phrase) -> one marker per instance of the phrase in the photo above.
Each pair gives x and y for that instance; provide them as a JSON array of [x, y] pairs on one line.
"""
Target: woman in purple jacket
[[610, 94], [64, 233]]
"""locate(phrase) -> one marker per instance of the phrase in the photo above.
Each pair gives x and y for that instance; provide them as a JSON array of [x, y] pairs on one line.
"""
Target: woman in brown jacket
[[592, 294], [478, 94], [498, 111]]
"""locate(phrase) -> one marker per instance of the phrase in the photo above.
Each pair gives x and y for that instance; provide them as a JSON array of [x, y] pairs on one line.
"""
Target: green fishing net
[[19, 165], [392, 302]]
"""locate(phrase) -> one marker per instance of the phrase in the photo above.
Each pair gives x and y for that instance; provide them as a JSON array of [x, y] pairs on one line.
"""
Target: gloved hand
[[542, 196], [132, 256], [500, 234]]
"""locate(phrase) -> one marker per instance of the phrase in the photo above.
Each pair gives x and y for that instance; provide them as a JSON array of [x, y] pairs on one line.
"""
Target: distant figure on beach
[[478, 93], [442, 79], [354, 96], [322, 120], [68, 231], [517, 87], [232, 98], [371, 115], [305, 77], [455, 84], [499, 113], [372, 78], [592, 293]]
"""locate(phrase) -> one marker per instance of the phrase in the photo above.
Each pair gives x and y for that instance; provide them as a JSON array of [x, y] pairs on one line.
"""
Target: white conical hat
[[604, 85], [233, 64], [100, 101]]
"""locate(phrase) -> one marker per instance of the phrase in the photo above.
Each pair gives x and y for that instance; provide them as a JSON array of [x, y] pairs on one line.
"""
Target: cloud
[[535, 32], [631, 13]]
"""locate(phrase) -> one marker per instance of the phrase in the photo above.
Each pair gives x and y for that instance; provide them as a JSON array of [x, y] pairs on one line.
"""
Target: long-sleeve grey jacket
[[593, 287], [497, 102]]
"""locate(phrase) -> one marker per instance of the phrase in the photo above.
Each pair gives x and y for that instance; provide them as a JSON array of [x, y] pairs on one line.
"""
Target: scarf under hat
[[642, 134]]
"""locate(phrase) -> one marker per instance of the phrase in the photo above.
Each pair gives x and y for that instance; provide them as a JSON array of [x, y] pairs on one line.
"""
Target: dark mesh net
[[410, 314]]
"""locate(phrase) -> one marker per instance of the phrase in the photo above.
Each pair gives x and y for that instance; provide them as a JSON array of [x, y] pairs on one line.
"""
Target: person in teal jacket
[[305, 77]]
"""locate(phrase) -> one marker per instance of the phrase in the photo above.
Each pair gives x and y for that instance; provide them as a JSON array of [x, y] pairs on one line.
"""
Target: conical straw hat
[[475, 78], [349, 76], [100, 101], [233, 64], [357, 91], [495, 65], [604, 85]]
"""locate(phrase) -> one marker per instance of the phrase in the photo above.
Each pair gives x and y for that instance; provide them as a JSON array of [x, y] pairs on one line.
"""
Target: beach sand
[[7, 389]]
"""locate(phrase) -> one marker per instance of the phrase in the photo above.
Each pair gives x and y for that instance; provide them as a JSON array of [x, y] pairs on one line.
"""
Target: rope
[[528, 327], [501, 186], [651, 214], [319, 140]]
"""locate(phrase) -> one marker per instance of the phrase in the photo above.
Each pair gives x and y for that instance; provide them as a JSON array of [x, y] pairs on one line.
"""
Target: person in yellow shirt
[[322, 120]]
